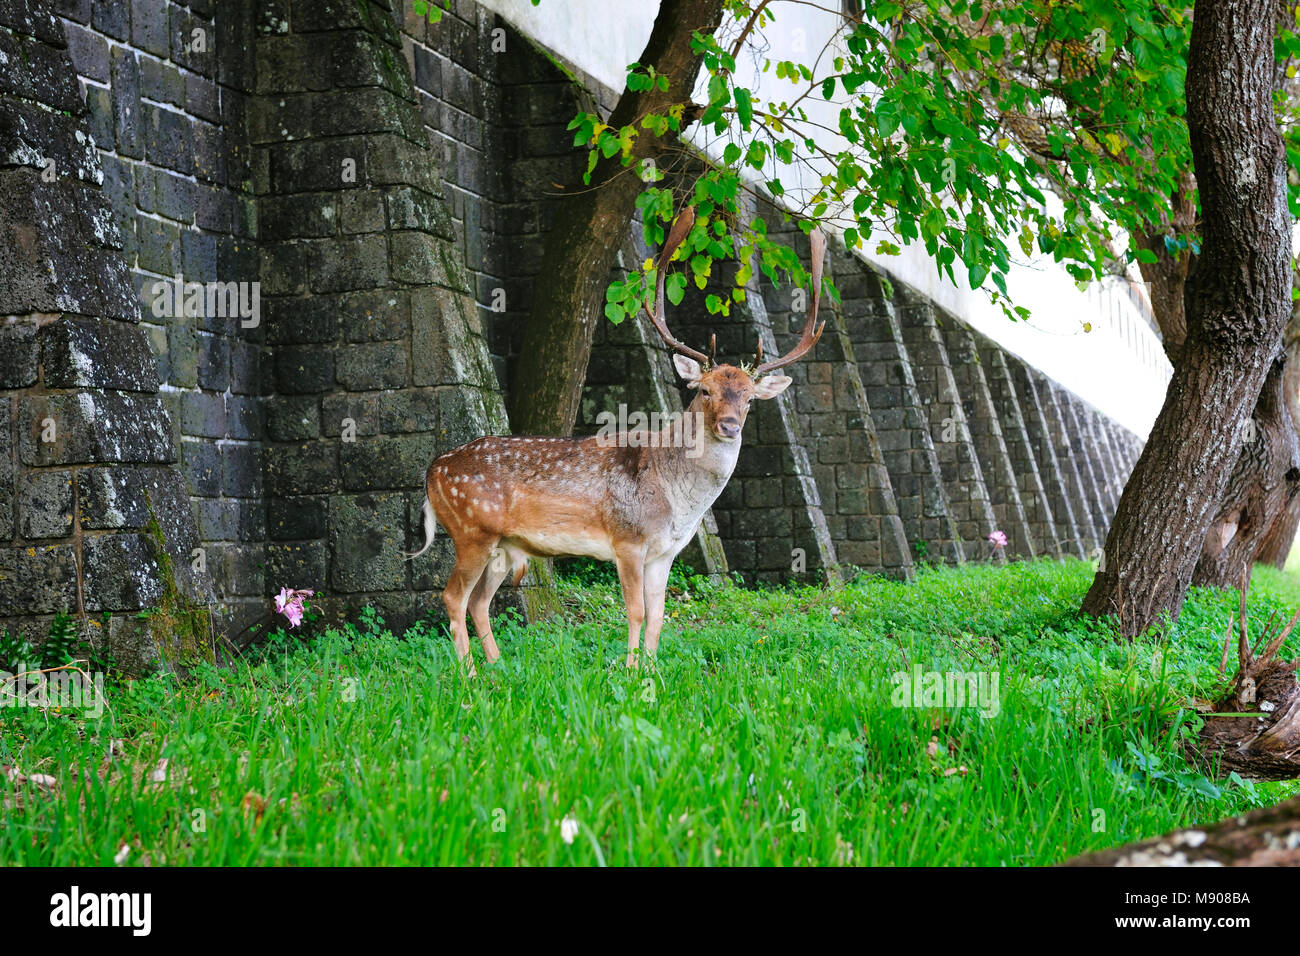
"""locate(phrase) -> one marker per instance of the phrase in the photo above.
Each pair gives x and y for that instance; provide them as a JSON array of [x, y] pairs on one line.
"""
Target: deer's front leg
[[631, 575], [656, 585]]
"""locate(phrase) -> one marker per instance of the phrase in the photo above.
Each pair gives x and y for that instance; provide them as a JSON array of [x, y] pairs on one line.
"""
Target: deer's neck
[[693, 465]]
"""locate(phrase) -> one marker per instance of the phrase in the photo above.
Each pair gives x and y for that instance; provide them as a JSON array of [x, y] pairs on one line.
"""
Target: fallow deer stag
[[636, 503]]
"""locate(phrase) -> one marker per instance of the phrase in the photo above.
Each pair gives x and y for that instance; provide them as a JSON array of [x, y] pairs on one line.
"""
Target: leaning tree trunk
[[1237, 303], [1276, 545], [1263, 484], [569, 292]]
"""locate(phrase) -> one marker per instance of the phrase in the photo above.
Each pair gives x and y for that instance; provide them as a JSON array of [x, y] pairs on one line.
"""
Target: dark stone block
[[90, 353], [7, 489], [168, 139], [202, 98], [409, 411], [243, 417], [89, 53], [214, 362], [127, 116], [161, 82], [41, 73], [385, 463], [367, 367], [296, 565], [112, 17], [99, 106], [121, 572], [202, 466], [203, 414], [182, 353], [38, 580], [350, 263], [302, 321], [294, 519], [293, 417], [213, 208], [242, 471], [304, 371], [410, 208], [91, 427], [18, 355], [76, 10], [315, 165], [112, 498], [310, 468], [362, 210], [45, 505], [150, 26], [381, 315], [367, 534], [175, 199], [346, 416], [284, 268], [160, 245], [217, 520], [298, 216], [213, 155]]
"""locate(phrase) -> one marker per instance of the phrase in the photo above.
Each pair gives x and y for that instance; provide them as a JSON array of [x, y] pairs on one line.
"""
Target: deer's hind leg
[[473, 555], [502, 562]]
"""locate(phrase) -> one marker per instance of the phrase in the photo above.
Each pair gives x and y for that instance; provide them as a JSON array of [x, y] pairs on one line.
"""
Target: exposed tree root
[[1263, 743]]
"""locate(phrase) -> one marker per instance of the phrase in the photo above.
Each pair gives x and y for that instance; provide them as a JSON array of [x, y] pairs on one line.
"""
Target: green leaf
[[675, 288], [744, 109]]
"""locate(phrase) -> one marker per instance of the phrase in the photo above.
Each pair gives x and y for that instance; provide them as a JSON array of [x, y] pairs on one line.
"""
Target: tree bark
[[1277, 542], [1237, 303], [1258, 838], [1263, 484], [569, 292], [1166, 278], [1260, 507]]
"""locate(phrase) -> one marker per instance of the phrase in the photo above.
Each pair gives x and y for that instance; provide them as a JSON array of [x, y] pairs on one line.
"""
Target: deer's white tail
[[430, 529]]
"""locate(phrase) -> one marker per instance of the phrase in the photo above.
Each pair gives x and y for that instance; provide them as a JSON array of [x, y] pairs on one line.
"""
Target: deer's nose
[[729, 427]]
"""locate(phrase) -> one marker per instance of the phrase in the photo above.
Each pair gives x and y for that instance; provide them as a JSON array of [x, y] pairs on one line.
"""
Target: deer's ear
[[770, 386], [688, 369]]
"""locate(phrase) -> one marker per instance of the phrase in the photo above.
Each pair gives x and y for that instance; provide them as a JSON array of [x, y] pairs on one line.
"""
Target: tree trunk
[[1276, 545], [1237, 302], [569, 292], [1261, 488], [1249, 840], [1166, 278]]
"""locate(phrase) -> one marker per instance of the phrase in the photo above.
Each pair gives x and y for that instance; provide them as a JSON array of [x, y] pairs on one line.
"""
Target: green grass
[[767, 736]]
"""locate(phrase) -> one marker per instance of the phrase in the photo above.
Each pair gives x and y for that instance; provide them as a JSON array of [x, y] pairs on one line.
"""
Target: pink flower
[[998, 539], [289, 603]]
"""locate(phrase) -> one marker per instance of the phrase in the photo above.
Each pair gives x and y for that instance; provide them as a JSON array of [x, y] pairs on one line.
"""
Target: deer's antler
[[680, 228], [812, 331]]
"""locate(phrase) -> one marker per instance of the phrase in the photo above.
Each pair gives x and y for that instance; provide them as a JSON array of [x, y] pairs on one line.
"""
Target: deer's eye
[[704, 392]]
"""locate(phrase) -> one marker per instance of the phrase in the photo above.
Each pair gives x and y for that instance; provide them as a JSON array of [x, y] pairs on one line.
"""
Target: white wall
[[1118, 366]]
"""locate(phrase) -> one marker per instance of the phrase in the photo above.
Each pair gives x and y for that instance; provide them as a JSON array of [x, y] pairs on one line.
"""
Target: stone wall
[[386, 185], [95, 515]]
